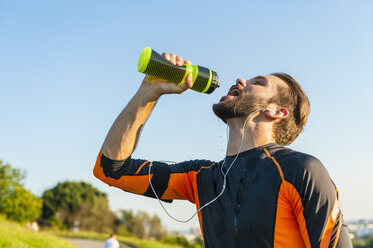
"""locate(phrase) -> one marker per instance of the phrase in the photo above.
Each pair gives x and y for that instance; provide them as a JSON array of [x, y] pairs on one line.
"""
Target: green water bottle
[[153, 64]]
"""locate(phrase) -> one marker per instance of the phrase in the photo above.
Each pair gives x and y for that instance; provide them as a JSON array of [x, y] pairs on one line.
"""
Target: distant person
[[32, 226], [273, 196], [112, 242]]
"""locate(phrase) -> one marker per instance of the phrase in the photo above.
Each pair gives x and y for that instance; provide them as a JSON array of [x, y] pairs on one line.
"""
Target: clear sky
[[67, 68]]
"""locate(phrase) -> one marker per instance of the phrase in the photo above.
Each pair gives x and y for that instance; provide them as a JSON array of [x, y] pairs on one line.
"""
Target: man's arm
[[122, 138], [315, 202], [176, 181], [114, 164]]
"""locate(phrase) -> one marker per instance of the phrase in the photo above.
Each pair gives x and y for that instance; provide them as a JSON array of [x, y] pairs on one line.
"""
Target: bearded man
[[262, 194]]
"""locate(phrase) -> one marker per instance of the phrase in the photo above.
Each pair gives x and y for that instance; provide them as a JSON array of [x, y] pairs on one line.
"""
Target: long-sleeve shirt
[[274, 196]]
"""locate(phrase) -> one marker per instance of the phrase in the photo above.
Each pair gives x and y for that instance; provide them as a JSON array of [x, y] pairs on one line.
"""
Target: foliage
[[140, 225], [15, 236], [156, 230], [98, 217], [22, 205], [68, 195], [77, 204], [359, 243], [16, 202], [54, 222], [365, 241], [181, 240], [199, 242]]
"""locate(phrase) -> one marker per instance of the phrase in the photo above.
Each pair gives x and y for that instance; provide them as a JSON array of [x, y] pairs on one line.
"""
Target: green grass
[[13, 235], [124, 240], [143, 243]]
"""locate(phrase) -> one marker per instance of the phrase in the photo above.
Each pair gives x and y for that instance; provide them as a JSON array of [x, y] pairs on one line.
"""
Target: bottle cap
[[214, 83]]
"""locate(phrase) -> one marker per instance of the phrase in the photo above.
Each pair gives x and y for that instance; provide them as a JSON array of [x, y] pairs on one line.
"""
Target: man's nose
[[241, 81]]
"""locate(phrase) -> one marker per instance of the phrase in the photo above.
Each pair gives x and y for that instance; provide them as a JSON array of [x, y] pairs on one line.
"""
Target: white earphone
[[271, 110]]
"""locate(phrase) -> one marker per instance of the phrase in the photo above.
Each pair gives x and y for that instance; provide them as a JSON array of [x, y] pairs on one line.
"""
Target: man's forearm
[[121, 140], [123, 135]]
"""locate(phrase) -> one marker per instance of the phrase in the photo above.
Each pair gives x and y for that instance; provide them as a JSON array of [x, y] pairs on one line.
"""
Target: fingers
[[188, 83], [187, 62], [189, 80], [173, 58], [166, 56], [179, 60], [176, 60], [173, 88]]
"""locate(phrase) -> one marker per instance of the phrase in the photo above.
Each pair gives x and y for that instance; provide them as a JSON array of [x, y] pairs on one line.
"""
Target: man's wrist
[[149, 93]]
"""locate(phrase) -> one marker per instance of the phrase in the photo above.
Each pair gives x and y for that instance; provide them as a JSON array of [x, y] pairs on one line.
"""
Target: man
[[112, 242], [274, 196]]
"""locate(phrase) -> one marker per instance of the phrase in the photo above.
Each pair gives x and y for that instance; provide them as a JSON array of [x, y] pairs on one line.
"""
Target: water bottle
[[152, 63]]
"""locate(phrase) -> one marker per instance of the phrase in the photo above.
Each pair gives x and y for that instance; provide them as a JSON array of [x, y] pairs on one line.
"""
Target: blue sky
[[67, 68]]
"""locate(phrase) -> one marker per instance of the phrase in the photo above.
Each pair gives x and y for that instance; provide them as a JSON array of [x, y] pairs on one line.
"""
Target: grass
[[132, 242], [13, 235]]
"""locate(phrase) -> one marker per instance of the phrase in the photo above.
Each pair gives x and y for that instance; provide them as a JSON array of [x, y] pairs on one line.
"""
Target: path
[[86, 243]]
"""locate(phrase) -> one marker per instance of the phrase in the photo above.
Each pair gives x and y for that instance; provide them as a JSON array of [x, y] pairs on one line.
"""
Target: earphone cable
[[221, 170]]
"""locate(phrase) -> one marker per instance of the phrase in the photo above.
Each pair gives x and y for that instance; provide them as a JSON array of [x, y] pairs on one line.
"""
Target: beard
[[240, 106]]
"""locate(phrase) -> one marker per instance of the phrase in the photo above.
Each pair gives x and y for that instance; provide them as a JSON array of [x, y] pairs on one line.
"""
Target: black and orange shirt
[[274, 196]]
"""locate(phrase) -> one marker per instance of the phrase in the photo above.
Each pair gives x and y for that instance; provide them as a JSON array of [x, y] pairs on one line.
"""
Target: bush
[[77, 204], [181, 240], [17, 203]]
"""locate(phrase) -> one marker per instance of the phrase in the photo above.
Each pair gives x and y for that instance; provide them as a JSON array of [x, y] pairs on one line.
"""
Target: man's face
[[247, 96]]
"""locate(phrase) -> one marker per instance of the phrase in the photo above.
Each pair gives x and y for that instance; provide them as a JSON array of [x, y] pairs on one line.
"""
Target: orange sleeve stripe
[[134, 184], [276, 163], [287, 230], [204, 167], [296, 202], [325, 240], [139, 169], [196, 200], [298, 210], [99, 172], [196, 197], [180, 187], [289, 218], [184, 186], [338, 230]]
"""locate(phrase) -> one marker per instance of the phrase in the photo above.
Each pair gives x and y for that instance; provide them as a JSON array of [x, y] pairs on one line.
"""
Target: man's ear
[[278, 113]]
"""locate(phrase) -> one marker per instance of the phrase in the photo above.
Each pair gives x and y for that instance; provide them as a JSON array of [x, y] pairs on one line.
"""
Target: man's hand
[[155, 87]]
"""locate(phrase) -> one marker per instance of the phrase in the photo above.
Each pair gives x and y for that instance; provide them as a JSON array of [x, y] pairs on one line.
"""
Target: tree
[[88, 216], [125, 222], [16, 202], [141, 225], [22, 205], [9, 178], [78, 203], [156, 230]]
